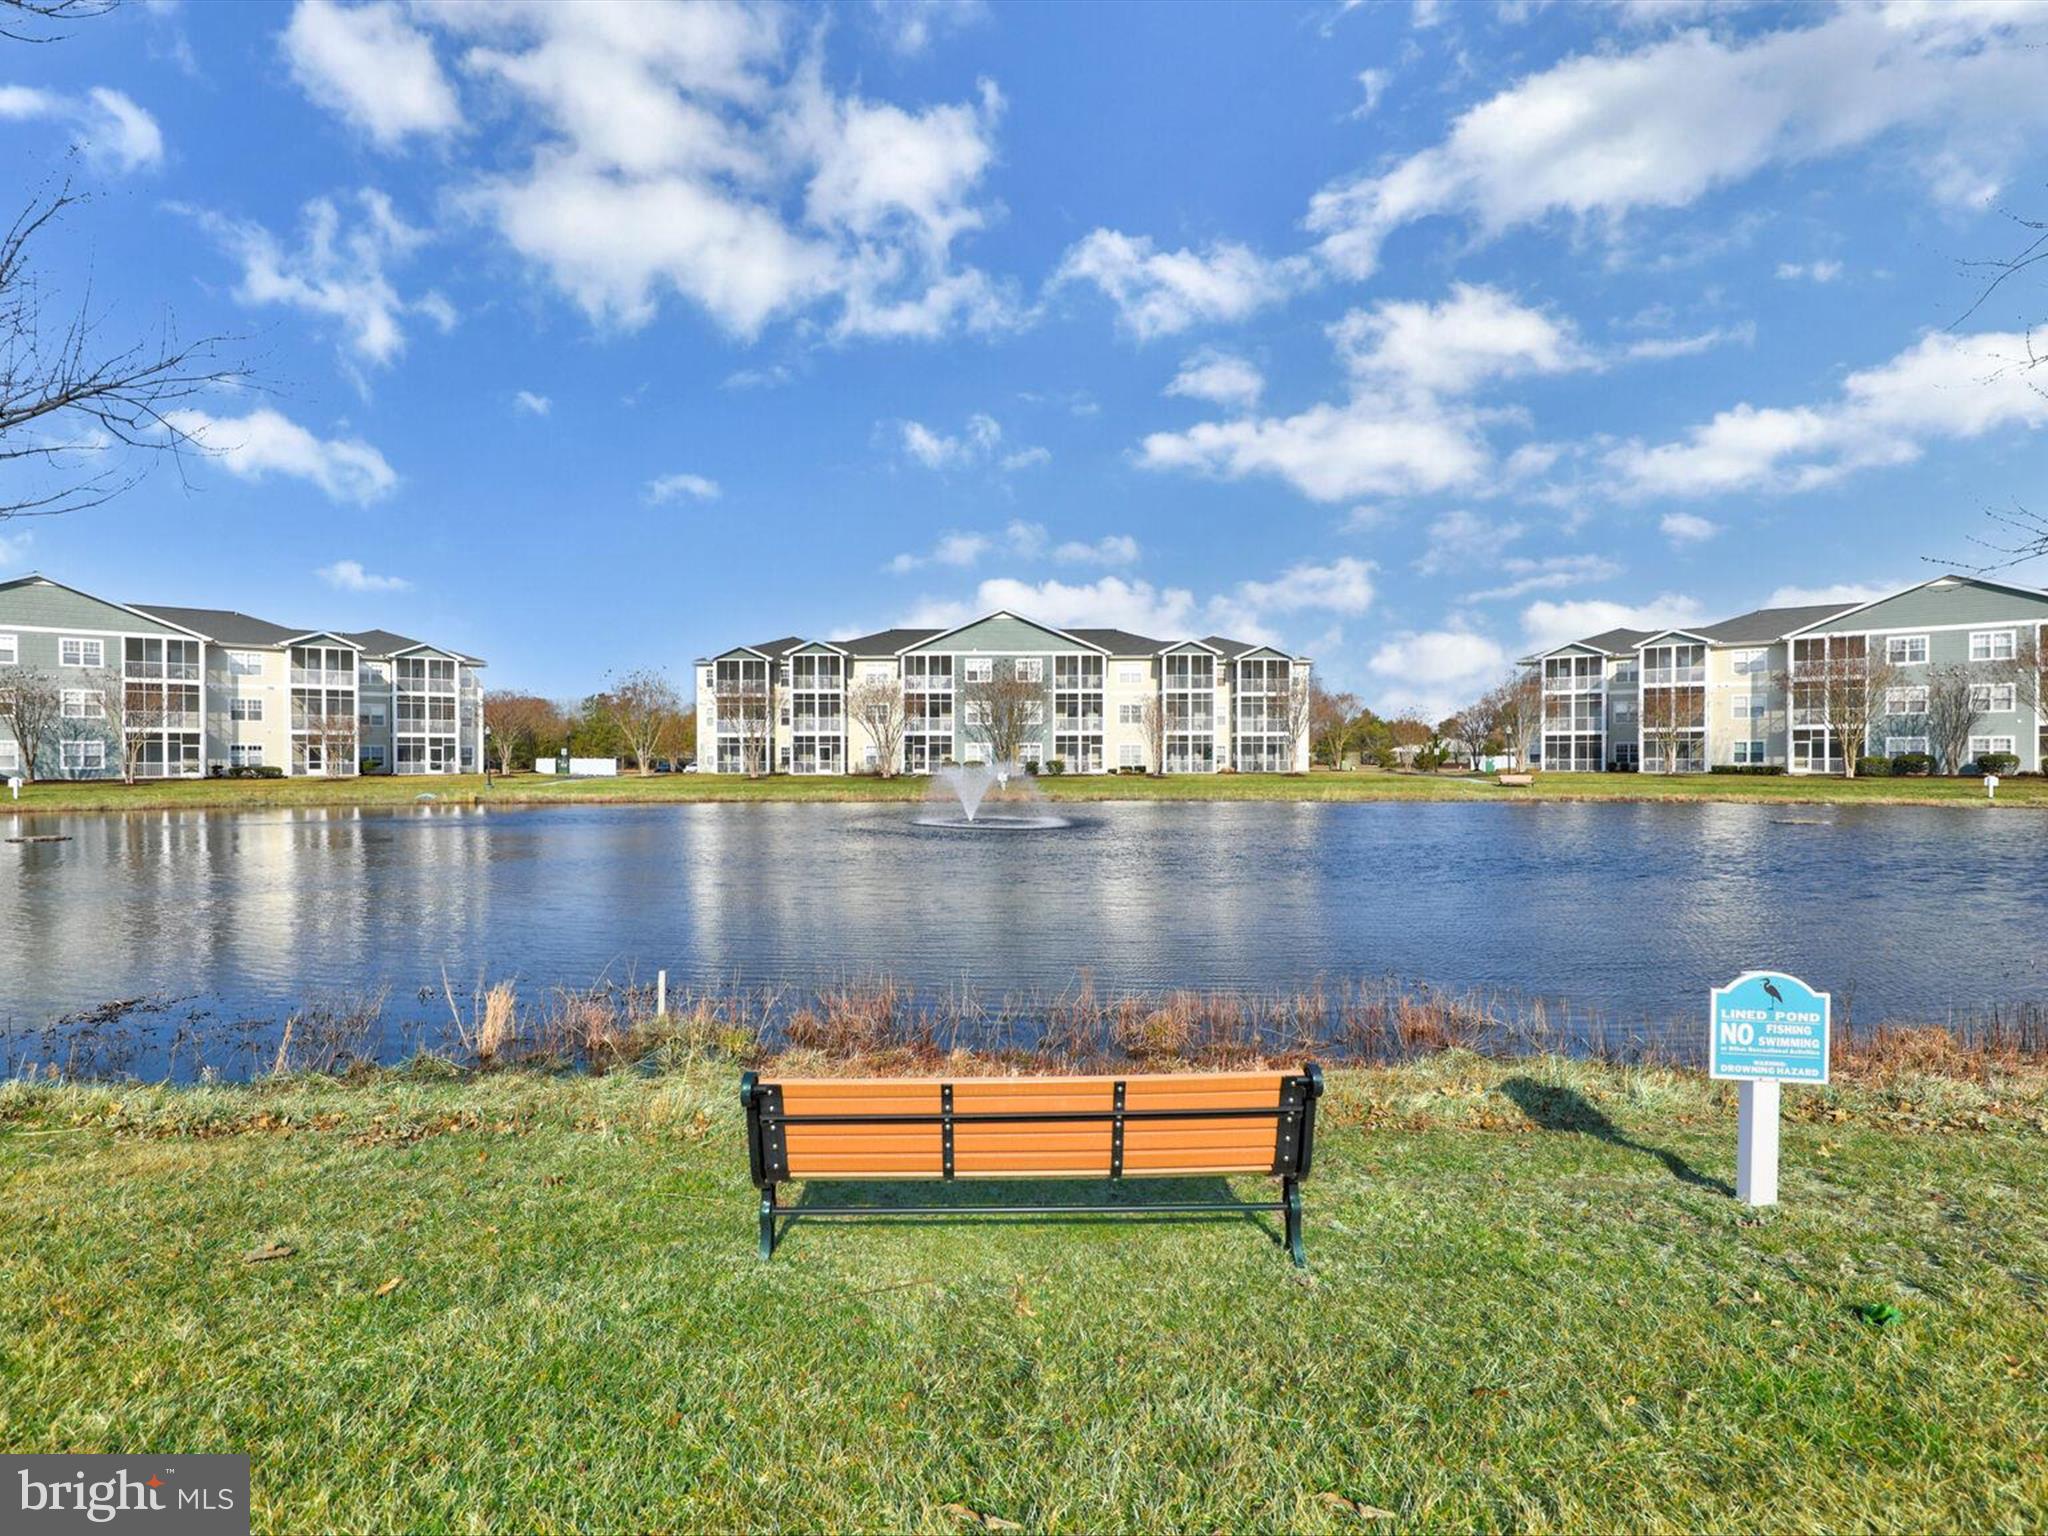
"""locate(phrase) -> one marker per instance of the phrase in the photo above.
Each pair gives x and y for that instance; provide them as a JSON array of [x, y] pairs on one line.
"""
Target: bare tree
[[1952, 713], [66, 395], [876, 703], [1522, 714], [1003, 708], [31, 706], [134, 713], [334, 732], [41, 21], [1152, 720], [1843, 687], [1670, 718], [645, 707], [1331, 715], [1297, 706], [517, 721], [1489, 718]]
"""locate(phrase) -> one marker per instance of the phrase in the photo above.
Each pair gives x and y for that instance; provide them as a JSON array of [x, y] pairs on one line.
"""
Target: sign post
[[1766, 1028]]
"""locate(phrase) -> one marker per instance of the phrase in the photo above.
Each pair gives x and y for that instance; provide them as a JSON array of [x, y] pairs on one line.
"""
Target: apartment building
[[1749, 691], [192, 691], [1107, 700]]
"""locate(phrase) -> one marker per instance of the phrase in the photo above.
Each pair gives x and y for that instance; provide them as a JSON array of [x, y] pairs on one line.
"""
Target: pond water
[[1628, 912]]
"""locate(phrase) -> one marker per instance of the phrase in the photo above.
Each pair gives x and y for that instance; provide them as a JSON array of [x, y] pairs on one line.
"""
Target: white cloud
[[1683, 528], [1601, 135], [1477, 335], [1840, 592], [1659, 348], [911, 25], [1816, 271], [1019, 539], [675, 487], [1222, 378], [1243, 612], [1435, 672], [1111, 603], [1546, 623], [1546, 573], [978, 443], [534, 405], [114, 132], [368, 64], [1460, 539], [349, 576], [264, 443], [1372, 85], [1158, 293], [1943, 386], [1110, 549], [337, 270], [680, 150]]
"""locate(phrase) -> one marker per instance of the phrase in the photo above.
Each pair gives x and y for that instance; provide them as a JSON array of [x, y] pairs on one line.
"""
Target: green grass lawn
[[1362, 785], [1531, 1306]]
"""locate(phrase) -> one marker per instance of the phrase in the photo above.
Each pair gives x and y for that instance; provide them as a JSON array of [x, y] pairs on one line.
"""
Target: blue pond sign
[[1769, 1027]]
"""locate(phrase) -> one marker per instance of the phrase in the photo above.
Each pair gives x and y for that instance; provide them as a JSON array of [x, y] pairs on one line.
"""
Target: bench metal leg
[[768, 1222], [1291, 1197]]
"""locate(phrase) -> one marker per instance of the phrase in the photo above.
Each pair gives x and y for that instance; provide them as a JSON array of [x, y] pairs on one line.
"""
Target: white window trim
[[1891, 641], [91, 704], [1991, 693], [10, 650], [1030, 669], [83, 642], [1895, 709], [90, 754], [1896, 746], [1991, 637], [978, 669], [10, 757], [1979, 745]]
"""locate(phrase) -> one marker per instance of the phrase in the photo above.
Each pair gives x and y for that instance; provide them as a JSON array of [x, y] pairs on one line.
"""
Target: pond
[[1627, 913]]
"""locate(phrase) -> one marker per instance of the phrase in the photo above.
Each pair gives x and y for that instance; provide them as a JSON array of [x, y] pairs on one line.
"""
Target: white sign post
[[1766, 1028]]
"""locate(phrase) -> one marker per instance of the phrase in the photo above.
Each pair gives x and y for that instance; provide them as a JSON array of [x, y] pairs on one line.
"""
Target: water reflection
[[1628, 911]]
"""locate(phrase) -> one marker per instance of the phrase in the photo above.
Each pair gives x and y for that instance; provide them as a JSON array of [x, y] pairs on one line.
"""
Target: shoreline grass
[[1361, 786], [1531, 1304]]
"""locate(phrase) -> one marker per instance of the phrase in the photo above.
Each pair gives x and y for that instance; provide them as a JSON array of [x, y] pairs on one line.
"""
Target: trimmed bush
[[1912, 765], [1055, 766], [1750, 770], [269, 771], [1997, 762], [1873, 767]]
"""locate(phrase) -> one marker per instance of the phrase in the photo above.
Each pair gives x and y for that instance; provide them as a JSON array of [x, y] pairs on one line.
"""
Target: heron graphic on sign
[[1771, 991]]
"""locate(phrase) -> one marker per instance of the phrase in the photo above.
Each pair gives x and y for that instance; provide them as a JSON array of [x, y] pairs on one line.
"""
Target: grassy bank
[[522, 1302], [1359, 785]]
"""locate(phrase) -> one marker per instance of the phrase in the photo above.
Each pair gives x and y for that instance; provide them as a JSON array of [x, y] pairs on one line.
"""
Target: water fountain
[[986, 796]]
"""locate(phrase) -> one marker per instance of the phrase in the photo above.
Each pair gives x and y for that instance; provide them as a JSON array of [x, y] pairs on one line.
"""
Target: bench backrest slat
[[1233, 1123]]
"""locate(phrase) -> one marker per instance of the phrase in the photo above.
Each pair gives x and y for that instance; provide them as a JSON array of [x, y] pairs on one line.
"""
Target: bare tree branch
[[40, 21], [64, 394]]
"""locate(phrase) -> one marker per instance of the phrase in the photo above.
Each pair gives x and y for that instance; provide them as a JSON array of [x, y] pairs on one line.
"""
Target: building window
[[10, 650], [1128, 756], [1993, 644], [1747, 663], [1905, 701], [245, 756], [373, 754], [245, 663], [245, 709], [10, 758], [84, 704], [1746, 708], [978, 669], [1895, 746], [1905, 650], [1130, 714], [1993, 698], [73, 651], [1980, 745], [1749, 752], [1030, 669], [84, 756], [1131, 677]]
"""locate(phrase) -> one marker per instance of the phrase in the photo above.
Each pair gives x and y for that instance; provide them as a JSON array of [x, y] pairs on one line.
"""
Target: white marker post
[[1766, 1028]]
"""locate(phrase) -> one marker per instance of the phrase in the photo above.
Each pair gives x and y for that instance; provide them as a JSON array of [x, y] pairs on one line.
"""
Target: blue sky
[[1409, 335]]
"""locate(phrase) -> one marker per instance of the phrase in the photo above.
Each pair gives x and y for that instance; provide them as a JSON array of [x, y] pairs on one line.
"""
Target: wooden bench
[[1181, 1125]]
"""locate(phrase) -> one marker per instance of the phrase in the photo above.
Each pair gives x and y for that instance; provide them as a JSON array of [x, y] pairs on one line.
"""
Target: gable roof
[[1763, 625], [38, 579], [379, 642], [1936, 586], [1118, 642], [887, 642], [223, 626], [1016, 618], [1236, 648]]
